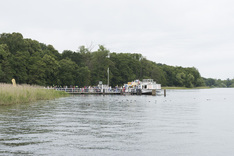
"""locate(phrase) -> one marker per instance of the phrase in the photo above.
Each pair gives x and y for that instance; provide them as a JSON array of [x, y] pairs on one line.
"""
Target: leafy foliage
[[31, 62]]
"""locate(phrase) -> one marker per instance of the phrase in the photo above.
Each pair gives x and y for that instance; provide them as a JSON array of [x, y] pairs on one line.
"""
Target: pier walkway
[[114, 91], [90, 91]]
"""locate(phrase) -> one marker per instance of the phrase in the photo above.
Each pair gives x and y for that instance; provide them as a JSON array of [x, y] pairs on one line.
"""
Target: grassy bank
[[26, 93], [204, 87]]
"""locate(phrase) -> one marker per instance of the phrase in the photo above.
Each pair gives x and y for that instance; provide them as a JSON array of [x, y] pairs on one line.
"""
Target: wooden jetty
[[115, 91], [90, 91]]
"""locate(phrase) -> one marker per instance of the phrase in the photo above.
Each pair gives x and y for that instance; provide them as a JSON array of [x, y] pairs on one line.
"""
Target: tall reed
[[26, 93]]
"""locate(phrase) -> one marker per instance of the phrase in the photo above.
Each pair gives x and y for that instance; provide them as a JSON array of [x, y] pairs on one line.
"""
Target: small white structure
[[147, 85]]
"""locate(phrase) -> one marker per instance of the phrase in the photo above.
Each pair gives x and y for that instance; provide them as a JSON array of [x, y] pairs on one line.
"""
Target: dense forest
[[31, 62]]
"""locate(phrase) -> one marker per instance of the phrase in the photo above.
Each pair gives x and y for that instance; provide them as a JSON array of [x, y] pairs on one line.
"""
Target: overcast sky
[[188, 33]]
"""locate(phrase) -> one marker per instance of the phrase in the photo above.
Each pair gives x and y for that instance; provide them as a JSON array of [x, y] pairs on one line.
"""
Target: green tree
[[180, 78], [20, 64], [14, 41], [170, 75], [232, 85], [84, 76], [50, 50], [189, 81], [228, 82], [200, 82], [86, 56], [210, 82], [5, 67], [67, 72], [51, 70], [99, 65], [36, 71]]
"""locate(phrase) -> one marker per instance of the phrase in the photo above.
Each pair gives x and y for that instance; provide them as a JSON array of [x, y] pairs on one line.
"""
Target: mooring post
[[138, 91], [165, 94], [154, 92]]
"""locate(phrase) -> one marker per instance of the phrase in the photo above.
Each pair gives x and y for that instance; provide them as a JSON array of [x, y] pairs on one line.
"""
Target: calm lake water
[[186, 122]]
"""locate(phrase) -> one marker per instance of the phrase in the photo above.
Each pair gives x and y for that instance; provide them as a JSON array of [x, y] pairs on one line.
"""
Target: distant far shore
[[204, 87]]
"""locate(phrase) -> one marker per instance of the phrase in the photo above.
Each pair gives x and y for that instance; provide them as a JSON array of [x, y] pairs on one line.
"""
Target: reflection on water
[[186, 122]]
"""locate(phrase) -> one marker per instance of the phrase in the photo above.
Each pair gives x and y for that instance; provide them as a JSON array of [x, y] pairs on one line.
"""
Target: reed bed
[[26, 93]]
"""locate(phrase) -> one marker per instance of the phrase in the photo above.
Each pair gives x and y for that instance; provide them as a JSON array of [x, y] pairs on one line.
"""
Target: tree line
[[218, 83], [31, 62]]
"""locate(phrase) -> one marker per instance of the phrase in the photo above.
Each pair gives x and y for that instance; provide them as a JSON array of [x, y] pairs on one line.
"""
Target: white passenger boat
[[147, 85]]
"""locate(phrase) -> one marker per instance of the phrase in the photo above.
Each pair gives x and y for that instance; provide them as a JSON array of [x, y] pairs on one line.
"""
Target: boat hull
[[146, 91], [149, 91]]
